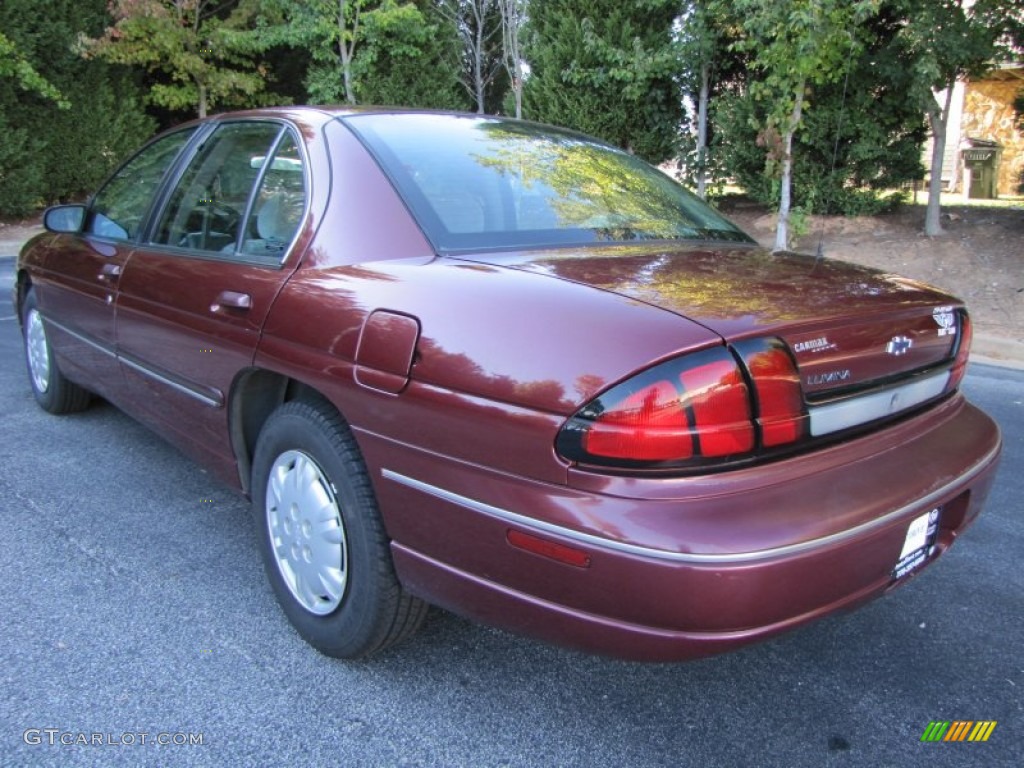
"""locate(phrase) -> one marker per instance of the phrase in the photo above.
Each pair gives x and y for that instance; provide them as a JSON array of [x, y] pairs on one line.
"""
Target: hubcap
[[306, 532], [38, 352]]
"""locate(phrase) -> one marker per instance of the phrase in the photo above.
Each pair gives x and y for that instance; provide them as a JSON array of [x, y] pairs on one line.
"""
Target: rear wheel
[[323, 543], [52, 390]]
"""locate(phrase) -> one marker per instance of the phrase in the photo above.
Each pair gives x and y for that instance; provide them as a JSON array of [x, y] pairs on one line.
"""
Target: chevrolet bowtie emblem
[[899, 345]]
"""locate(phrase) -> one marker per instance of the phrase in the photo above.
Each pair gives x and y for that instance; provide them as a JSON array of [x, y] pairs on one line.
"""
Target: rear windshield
[[475, 183]]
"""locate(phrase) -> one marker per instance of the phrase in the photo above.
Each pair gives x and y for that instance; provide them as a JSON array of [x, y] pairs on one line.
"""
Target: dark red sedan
[[511, 371]]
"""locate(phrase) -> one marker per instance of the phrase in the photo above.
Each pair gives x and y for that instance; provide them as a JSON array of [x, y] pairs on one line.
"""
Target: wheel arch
[[22, 285], [255, 394]]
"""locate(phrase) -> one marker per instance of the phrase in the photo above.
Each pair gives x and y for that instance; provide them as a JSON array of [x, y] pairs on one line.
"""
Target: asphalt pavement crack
[[95, 554]]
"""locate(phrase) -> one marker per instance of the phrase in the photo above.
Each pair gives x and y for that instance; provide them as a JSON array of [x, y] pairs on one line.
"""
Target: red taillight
[[649, 425], [780, 400], [690, 408], [718, 397], [963, 352]]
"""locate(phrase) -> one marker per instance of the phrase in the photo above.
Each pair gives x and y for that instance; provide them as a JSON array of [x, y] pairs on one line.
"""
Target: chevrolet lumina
[[511, 371]]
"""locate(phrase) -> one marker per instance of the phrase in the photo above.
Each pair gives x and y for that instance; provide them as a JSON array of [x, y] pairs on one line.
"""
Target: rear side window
[[119, 208], [279, 204]]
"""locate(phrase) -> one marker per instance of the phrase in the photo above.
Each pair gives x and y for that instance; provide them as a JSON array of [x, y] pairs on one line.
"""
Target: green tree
[[49, 154], [793, 45], [17, 189], [606, 68], [949, 40], [478, 24], [14, 65], [202, 47], [862, 136], [366, 51], [333, 29], [407, 59], [708, 67], [513, 19]]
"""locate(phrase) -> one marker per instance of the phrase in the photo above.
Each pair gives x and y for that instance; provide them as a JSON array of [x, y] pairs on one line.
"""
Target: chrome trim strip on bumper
[[215, 402], [688, 557], [826, 419]]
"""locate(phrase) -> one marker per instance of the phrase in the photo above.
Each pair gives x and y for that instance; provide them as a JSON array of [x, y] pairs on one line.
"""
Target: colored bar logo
[[959, 730]]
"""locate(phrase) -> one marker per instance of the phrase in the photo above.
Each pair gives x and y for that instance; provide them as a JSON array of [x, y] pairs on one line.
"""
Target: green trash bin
[[981, 168]]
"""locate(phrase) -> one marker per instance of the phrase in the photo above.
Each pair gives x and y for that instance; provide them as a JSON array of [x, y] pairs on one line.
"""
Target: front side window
[[120, 206], [206, 208]]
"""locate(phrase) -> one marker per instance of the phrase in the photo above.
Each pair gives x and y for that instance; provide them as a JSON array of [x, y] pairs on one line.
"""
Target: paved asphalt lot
[[137, 604]]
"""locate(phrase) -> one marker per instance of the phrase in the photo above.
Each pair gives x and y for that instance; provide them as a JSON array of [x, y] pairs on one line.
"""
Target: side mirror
[[64, 218]]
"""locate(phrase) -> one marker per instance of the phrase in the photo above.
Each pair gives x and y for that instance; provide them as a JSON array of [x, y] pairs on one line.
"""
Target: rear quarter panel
[[503, 356]]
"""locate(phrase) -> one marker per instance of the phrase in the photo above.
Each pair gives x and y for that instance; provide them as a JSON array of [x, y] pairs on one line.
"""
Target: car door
[[195, 294], [77, 289]]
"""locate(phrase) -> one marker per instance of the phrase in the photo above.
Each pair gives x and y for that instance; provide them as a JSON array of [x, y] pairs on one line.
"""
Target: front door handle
[[232, 299], [110, 273]]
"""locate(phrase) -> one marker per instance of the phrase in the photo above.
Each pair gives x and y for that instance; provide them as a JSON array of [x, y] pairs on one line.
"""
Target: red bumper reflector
[[547, 548]]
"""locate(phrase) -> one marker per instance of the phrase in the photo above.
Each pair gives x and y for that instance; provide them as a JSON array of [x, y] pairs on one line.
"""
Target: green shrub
[[51, 154]]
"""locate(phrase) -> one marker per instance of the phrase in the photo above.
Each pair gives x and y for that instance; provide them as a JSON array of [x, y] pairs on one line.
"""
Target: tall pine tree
[[606, 68]]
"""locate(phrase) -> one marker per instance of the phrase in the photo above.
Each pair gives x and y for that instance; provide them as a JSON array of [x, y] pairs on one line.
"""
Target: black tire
[[53, 391], [370, 611]]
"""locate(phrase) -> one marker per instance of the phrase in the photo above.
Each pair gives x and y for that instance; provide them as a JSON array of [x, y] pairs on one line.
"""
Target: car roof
[[316, 114], [336, 110]]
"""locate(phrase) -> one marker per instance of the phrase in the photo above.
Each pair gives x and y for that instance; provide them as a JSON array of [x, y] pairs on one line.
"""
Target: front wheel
[[321, 537], [52, 390]]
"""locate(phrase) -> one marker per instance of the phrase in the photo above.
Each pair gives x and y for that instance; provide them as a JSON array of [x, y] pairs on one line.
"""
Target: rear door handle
[[110, 273], [232, 299]]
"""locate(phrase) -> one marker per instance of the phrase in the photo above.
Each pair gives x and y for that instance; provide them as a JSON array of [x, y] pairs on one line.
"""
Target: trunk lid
[[849, 327]]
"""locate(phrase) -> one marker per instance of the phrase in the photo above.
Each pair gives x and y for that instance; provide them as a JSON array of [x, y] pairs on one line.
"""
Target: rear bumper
[[680, 568], [562, 625]]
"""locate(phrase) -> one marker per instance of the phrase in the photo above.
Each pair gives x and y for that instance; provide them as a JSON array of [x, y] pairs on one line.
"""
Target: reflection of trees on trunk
[[340, 298], [467, 375], [733, 283], [345, 278]]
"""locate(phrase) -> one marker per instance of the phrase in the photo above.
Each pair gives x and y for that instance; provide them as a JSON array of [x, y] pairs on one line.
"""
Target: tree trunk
[[782, 227], [478, 63], [479, 87], [346, 48], [346, 73], [200, 85], [938, 122], [702, 129], [511, 19]]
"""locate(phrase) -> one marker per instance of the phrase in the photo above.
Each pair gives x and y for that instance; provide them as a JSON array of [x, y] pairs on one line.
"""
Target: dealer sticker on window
[[919, 544]]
